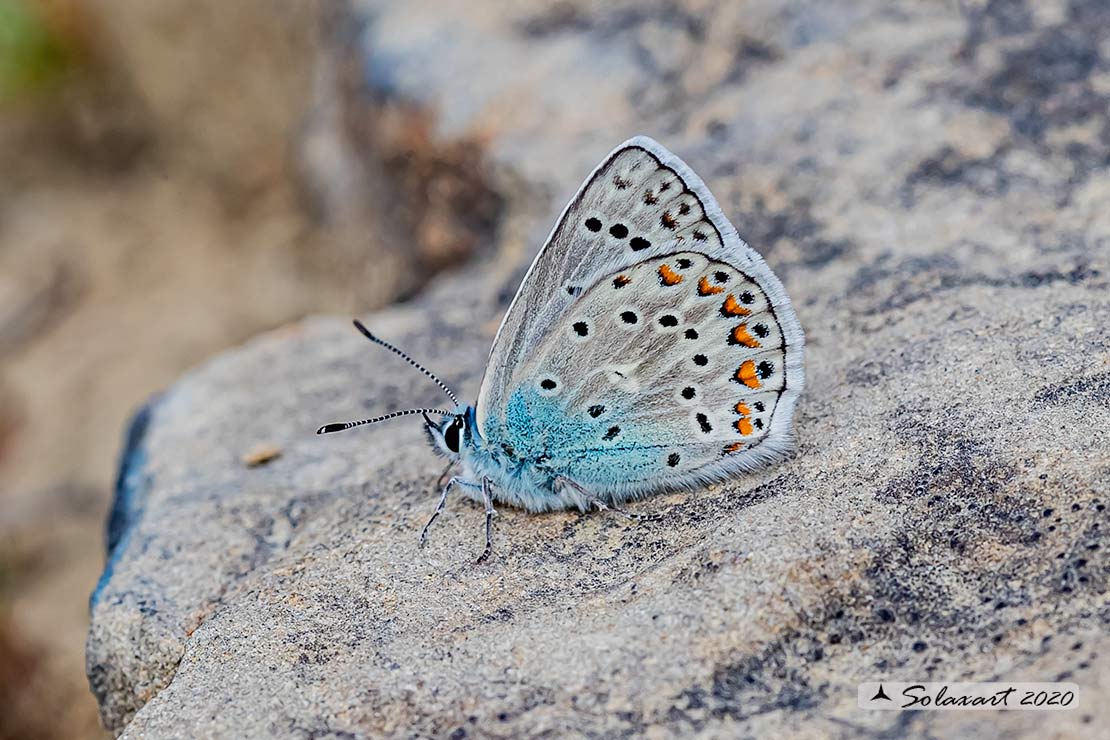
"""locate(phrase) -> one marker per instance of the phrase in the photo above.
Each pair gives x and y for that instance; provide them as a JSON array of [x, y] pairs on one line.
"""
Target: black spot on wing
[[703, 422]]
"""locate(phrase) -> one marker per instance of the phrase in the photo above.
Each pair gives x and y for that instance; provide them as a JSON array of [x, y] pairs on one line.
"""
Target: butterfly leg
[[454, 480], [594, 499], [488, 499], [439, 507], [441, 481], [602, 506]]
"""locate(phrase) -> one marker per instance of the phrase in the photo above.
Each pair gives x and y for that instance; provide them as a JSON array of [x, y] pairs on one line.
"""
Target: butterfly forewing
[[648, 346]]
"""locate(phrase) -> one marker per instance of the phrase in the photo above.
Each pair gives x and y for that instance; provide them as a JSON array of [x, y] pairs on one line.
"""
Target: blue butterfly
[[648, 349]]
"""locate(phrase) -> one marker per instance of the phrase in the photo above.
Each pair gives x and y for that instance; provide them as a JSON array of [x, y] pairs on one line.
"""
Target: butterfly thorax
[[515, 459]]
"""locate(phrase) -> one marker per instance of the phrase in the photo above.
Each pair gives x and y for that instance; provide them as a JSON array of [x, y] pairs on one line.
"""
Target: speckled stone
[[932, 189]]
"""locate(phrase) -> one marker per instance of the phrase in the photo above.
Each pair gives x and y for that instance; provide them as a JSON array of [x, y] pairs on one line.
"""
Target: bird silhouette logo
[[880, 694]]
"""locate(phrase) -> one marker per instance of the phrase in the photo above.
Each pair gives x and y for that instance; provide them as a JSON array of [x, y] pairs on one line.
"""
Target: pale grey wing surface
[[642, 202], [665, 374]]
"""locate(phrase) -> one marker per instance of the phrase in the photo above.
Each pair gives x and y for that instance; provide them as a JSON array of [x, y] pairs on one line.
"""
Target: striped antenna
[[340, 426], [366, 333]]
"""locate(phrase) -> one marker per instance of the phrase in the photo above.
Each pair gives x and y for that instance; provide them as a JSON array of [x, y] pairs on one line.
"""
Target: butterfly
[[648, 349]]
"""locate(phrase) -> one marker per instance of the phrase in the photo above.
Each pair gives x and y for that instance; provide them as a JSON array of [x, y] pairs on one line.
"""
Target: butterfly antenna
[[366, 333], [340, 426]]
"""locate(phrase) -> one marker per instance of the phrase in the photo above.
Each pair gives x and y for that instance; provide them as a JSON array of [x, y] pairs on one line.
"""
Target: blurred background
[[167, 191], [178, 176]]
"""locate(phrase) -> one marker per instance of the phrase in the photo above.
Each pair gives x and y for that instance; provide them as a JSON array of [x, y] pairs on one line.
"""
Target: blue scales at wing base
[[595, 449]]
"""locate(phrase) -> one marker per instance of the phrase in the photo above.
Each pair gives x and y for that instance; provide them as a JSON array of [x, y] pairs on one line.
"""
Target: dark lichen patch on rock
[[883, 286], [776, 680], [984, 176], [751, 53], [994, 20], [792, 230], [1094, 388], [1045, 85], [1036, 84]]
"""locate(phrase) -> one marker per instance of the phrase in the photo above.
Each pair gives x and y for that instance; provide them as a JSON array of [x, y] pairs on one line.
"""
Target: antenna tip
[[329, 428], [361, 327]]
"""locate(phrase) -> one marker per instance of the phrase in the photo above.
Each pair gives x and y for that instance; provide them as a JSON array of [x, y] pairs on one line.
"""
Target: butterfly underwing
[[648, 349]]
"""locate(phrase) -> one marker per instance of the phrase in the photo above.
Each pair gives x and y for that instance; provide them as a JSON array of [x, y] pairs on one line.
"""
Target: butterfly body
[[648, 349], [523, 475]]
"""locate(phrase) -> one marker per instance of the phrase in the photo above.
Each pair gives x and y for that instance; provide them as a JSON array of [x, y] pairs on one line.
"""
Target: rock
[[931, 188]]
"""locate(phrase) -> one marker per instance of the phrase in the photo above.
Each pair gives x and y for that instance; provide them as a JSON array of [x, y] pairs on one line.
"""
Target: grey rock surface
[[930, 186]]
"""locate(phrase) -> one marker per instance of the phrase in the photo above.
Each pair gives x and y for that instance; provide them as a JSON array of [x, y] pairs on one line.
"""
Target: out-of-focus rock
[[931, 188], [159, 203]]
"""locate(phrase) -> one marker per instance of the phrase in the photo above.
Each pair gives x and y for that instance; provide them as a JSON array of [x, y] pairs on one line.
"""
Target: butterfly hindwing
[[658, 371], [648, 346]]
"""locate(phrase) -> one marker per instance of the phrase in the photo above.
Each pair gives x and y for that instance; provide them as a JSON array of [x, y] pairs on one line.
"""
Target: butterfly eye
[[453, 436]]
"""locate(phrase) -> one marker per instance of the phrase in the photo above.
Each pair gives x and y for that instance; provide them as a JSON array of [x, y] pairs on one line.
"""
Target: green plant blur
[[32, 59]]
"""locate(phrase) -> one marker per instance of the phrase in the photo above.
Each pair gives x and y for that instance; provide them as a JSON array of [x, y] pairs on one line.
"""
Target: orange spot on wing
[[734, 447], [743, 425], [667, 276], [742, 409], [732, 307], [740, 335], [746, 374], [704, 288]]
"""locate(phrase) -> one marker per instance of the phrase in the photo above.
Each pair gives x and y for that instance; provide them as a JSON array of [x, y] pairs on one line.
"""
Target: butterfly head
[[451, 434]]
